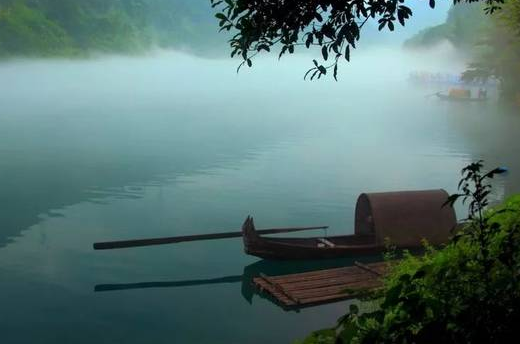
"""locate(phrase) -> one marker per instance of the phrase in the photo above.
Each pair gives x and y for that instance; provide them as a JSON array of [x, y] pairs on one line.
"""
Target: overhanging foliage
[[333, 25]]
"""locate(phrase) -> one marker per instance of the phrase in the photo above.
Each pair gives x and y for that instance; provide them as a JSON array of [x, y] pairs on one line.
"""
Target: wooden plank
[[279, 289], [326, 282], [177, 239], [327, 299], [308, 276], [337, 274], [309, 299], [266, 286], [328, 272], [335, 289]]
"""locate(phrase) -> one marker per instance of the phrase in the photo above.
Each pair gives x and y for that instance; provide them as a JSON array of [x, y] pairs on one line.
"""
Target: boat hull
[[459, 99], [271, 249], [307, 248]]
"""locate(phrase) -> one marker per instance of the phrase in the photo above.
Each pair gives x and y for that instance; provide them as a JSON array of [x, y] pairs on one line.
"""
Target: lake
[[168, 144]]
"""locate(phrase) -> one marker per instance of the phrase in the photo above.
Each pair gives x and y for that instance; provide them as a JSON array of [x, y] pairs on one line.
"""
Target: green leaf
[[263, 47], [325, 52], [400, 16], [348, 333], [284, 49], [392, 296], [309, 40]]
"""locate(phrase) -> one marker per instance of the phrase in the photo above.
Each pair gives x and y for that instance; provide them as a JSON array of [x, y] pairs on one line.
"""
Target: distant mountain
[[81, 27]]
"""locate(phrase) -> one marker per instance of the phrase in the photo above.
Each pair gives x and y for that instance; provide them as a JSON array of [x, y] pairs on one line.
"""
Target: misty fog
[[168, 143]]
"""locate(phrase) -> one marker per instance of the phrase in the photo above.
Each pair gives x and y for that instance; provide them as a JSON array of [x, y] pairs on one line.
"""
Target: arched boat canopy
[[405, 217]]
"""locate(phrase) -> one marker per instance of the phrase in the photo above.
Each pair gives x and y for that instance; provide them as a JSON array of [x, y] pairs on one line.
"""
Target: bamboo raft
[[322, 286]]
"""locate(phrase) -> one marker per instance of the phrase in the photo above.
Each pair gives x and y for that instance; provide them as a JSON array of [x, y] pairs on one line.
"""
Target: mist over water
[[170, 144]]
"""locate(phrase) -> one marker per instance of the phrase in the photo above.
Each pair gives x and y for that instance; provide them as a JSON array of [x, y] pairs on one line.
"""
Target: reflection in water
[[266, 267], [186, 283]]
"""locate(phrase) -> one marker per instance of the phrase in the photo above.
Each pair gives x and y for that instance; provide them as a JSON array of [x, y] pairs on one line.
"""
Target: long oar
[[173, 240]]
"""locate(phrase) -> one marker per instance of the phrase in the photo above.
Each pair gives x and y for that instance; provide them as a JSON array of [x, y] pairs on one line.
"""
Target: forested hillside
[[463, 27], [81, 27]]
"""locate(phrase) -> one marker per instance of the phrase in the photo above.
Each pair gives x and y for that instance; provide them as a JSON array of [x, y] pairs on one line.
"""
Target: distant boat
[[404, 219], [456, 98]]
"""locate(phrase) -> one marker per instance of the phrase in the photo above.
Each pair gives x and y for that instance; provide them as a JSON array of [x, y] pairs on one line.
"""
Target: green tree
[[499, 53]]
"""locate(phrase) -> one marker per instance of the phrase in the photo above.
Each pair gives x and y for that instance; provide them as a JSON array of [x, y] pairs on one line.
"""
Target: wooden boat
[[404, 219], [459, 99]]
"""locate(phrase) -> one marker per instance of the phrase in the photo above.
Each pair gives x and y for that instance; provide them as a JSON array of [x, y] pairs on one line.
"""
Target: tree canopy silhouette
[[332, 25]]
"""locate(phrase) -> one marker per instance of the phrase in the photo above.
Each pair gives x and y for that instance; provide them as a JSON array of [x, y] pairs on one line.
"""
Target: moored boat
[[404, 219], [462, 95]]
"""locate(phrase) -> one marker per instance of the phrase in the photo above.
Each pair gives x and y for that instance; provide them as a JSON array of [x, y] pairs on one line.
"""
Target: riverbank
[[467, 291]]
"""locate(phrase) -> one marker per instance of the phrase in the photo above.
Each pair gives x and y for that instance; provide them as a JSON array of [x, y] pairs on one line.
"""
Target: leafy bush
[[466, 292]]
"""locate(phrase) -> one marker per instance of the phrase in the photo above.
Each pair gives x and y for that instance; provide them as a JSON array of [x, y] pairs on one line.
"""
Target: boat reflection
[[266, 267], [167, 284]]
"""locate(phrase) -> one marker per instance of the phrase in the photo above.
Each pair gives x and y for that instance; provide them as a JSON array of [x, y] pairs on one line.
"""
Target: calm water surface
[[170, 145]]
